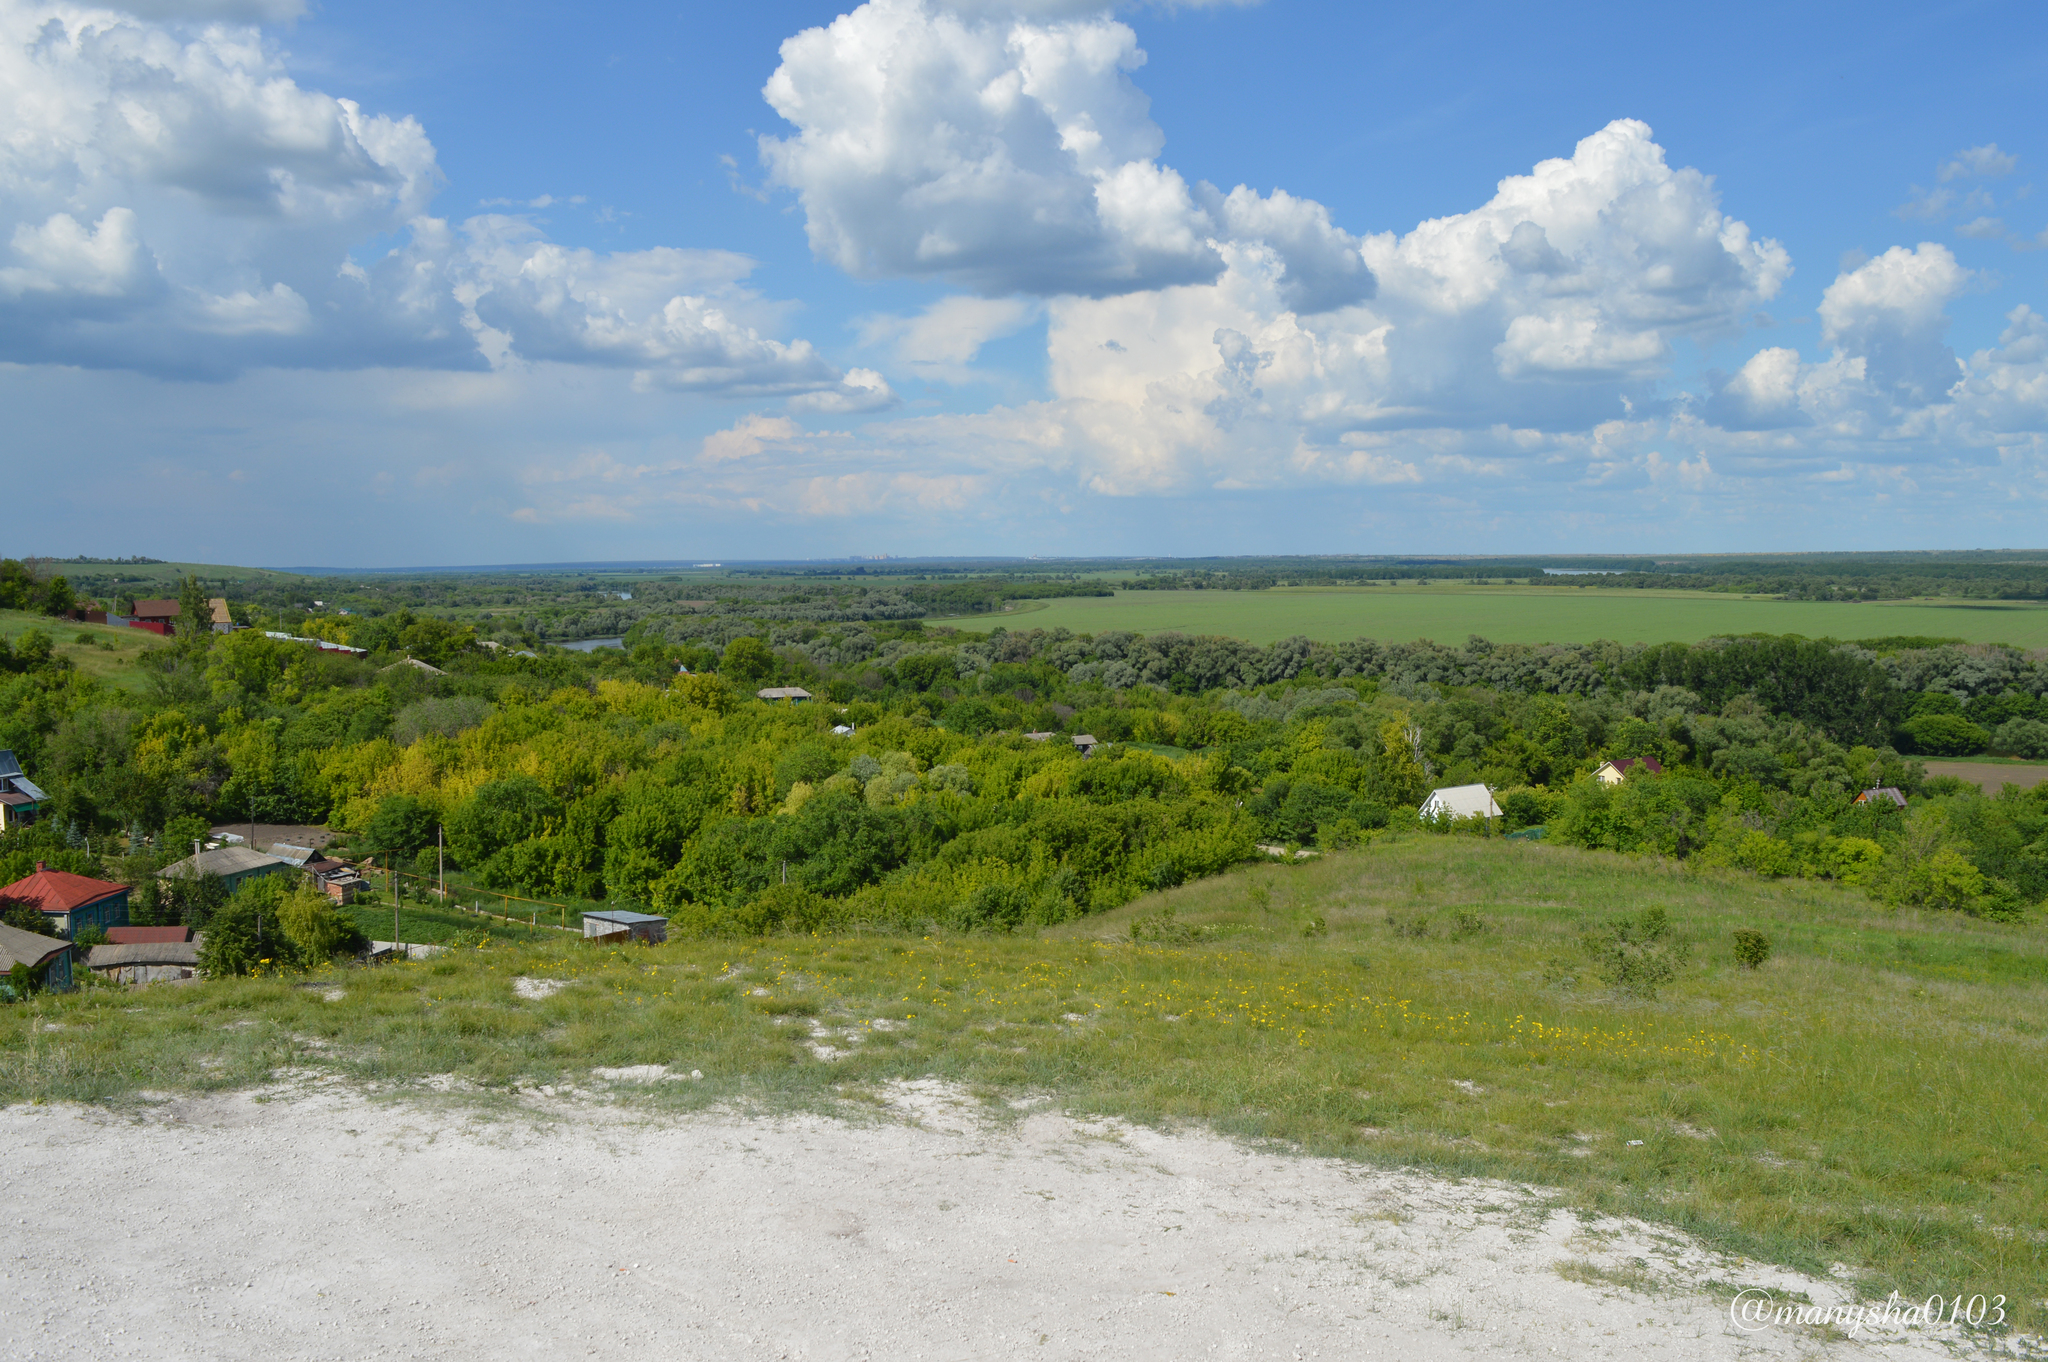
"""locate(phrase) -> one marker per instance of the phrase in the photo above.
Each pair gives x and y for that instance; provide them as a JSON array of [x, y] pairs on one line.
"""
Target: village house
[[20, 799], [1616, 771], [1883, 794], [46, 958], [71, 903], [796, 695]]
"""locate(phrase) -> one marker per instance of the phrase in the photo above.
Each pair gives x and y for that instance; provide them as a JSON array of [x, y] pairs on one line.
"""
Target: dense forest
[[933, 781]]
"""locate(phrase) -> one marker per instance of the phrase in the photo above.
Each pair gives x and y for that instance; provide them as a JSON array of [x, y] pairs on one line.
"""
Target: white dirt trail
[[311, 1221]]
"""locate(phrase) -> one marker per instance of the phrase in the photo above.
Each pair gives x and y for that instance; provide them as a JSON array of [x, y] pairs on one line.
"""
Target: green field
[[113, 654], [1450, 614]]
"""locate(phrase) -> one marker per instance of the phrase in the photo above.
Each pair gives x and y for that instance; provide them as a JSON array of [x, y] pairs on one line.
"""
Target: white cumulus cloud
[[1007, 148], [173, 201]]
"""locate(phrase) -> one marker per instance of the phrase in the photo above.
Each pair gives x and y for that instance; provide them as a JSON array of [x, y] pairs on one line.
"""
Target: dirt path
[[315, 1223]]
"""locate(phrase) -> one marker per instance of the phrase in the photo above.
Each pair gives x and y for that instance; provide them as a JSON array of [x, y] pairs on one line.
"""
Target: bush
[[1944, 735], [1637, 954], [1752, 948], [785, 908], [2021, 737]]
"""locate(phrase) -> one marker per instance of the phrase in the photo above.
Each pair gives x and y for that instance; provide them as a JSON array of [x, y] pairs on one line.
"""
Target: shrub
[[1637, 954], [790, 908], [1752, 948], [1944, 735], [2021, 737]]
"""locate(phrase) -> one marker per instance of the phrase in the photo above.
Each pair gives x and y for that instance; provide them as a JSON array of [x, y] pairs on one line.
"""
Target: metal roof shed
[[643, 926]]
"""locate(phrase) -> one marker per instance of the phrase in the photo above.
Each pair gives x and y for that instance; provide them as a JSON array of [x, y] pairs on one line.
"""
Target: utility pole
[[391, 873], [441, 862]]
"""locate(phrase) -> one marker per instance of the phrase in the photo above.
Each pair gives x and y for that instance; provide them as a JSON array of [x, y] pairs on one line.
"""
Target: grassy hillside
[[111, 654], [1448, 614], [1870, 1095]]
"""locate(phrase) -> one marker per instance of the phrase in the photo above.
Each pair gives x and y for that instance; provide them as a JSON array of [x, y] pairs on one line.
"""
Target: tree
[[58, 597], [17, 585], [195, 615], [401, 823], [748, 661]]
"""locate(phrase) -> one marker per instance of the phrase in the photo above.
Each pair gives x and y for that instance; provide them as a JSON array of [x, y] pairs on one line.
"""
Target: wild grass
[[1448, 613], [1871, 1095], [113, 654]]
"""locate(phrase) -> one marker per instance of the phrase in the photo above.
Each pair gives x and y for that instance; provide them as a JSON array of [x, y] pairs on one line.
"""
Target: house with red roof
[[71, 903]]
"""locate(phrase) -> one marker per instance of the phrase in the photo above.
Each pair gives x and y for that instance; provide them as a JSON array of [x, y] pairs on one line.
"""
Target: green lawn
[[112, 654], [1449, 614], [1872, 1095]]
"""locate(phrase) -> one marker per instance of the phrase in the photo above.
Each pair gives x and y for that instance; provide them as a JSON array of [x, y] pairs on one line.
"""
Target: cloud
[[942, 341], [750, 435], [1891, 312], [1544, 308], [1007, 149], [1976, 163], [174, 202]]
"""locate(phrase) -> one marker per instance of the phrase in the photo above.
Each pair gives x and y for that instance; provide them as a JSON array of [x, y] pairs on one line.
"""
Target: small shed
[[45, 956], [294, 856], [1883, 794], [644, 927], [71, 903], [1085, 743], [146, 962], [1618, 770], [1460, 801], [233, 864], [795, 695]]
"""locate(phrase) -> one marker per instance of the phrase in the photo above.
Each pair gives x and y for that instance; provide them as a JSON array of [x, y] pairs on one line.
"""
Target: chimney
[[40, 867]]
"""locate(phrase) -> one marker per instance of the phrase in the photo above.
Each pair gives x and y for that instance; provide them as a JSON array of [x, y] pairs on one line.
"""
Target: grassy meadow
[[1872, 1095], [109, 653], [1448, 614]]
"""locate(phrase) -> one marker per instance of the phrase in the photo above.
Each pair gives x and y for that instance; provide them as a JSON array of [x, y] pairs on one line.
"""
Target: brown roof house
[[71, 903]]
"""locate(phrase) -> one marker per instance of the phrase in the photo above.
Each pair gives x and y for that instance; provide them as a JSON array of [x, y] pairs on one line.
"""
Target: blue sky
[[457, 283]]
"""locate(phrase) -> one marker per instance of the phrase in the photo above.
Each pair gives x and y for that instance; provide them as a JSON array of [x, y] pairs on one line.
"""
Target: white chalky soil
[[322, 1224]]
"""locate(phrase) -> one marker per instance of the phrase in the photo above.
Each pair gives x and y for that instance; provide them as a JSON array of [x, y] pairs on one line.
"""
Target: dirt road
[[313, 1222]]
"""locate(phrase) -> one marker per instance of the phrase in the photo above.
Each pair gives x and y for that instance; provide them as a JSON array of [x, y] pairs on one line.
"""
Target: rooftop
[[221, 861], [60, 891], [621, 916], [27, 948], [139, 936]]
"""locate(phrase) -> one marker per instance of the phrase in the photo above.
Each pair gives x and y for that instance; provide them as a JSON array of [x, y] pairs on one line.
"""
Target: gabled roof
[[622, 917], [27, 948], [155, 610], [1885, 794], [219, 606], [8, 765], [1462, 801], [783, 693], [221, 861], [60, 891], [1624, 765], [294, 855]]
